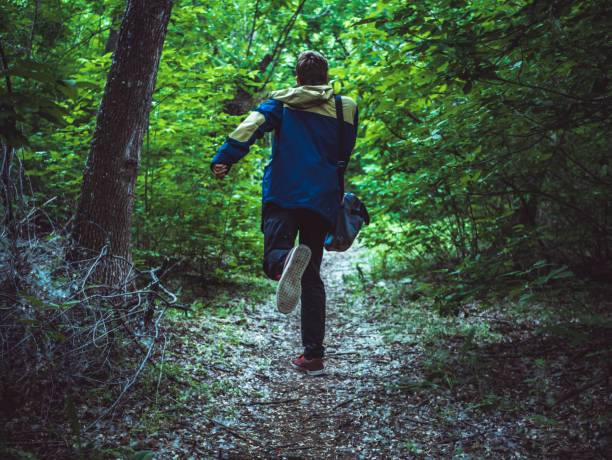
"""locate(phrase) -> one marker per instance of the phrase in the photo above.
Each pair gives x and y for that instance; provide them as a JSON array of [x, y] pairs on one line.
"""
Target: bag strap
[[278, 128], [342, 160]]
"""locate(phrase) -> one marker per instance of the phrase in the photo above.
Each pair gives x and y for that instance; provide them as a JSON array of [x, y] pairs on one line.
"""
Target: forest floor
[[399, 383]]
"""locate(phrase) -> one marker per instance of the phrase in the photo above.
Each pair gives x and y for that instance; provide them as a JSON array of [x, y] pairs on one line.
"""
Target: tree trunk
[[103, 220], [113, 37], [9, 129], [6, 163]]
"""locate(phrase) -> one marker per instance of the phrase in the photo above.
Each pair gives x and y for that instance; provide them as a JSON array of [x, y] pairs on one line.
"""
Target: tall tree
[[103, 219]]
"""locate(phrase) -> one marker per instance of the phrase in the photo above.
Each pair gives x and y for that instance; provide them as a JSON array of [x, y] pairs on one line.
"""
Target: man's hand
[[220, 170]]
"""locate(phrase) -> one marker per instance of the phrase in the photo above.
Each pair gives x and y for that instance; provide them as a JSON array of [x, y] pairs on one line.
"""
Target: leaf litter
[[381, 396], [400, 382]]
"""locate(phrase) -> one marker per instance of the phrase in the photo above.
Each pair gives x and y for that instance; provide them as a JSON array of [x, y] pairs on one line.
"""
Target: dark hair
[[311, 68]]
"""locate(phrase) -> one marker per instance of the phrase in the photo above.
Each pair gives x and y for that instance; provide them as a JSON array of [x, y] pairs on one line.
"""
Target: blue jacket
[[303, 171]]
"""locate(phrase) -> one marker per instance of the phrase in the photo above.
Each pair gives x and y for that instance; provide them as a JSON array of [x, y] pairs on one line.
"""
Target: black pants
[[280, 227]]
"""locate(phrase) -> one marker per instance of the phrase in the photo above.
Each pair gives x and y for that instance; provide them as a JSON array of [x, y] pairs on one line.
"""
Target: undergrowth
[[534, 333], [73, 354]]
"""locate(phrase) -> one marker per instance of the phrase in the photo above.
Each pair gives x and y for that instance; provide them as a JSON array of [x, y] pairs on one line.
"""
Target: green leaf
[[142, 455]]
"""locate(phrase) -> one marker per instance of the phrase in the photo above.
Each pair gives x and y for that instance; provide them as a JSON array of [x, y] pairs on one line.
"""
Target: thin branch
[[280, 43], [102, 254], [341, 43], [161, 368], [253, 28], [584, 168], [79, 43], [5, 65], [134, 378], [266, 403], [540, 88], [219, 424], [577, 391], [32, 28], [157, 283], [343, 403]]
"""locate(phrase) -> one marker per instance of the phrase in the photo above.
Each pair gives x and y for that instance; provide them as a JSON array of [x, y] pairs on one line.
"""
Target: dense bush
[[486, 148]]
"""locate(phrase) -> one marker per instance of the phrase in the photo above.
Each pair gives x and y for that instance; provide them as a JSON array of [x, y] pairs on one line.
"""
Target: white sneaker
[[289, 289]]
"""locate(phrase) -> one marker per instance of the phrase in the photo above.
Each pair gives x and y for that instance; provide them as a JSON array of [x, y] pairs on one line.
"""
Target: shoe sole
[[308, 371], [289, 289]]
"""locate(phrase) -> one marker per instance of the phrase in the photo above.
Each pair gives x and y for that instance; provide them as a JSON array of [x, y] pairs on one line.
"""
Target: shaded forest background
[[483, 155]]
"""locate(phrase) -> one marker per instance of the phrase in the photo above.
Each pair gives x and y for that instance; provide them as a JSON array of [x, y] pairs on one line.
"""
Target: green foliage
[[485, 149], [142, 455], [34, 91], [183, 217]]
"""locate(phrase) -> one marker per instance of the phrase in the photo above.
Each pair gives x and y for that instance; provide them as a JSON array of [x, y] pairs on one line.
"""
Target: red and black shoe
[[289, 287], [312, 366]]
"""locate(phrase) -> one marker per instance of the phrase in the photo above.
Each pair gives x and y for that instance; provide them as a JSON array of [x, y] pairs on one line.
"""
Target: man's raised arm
[[264, 118]]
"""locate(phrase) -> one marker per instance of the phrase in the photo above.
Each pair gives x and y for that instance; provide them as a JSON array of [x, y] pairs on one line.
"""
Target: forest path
[[400, 382], [264, 408]]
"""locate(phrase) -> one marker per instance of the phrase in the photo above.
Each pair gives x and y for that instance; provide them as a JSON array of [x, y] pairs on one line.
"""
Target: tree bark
[[103, 221], [113, 37], [6, 161]]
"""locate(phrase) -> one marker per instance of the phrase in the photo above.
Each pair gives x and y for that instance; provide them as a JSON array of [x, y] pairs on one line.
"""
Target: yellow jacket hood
[[303, 97]]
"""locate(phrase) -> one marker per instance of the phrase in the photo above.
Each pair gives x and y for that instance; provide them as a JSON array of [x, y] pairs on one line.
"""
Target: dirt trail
[[375, 400], [272, 410]]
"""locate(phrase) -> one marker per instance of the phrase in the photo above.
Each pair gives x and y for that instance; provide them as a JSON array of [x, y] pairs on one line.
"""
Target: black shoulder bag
[[352, 213]]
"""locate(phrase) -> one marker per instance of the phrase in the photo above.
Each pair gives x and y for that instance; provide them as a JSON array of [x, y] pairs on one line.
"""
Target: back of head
[[311, 68]]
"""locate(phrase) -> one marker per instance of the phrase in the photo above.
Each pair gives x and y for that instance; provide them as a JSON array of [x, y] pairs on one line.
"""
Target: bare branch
[[280, 43], [252, 33]]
